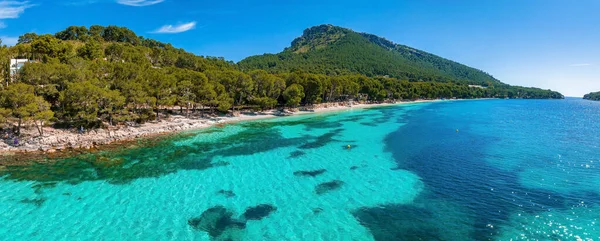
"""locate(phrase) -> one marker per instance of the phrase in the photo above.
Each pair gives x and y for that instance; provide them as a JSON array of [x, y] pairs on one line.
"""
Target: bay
[[450, 170]]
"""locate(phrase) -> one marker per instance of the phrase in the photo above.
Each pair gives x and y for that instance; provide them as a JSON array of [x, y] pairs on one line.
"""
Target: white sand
[[57, 139]]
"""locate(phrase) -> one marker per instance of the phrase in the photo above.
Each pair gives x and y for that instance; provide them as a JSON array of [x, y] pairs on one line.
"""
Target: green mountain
[[592, 96], [331, 50], [101, 76]]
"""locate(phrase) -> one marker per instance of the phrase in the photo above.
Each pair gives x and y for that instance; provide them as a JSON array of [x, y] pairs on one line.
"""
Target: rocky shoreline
[[56, 140]]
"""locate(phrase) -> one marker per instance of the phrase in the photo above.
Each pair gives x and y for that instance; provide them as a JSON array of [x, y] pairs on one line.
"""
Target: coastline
[[57, 140]]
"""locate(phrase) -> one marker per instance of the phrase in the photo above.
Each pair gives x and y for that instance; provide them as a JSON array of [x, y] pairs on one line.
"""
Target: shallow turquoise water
[[515, 169]]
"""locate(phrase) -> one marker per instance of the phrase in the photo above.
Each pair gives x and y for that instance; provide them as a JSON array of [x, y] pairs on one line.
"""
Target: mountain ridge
[[341, 50], [106, 76]]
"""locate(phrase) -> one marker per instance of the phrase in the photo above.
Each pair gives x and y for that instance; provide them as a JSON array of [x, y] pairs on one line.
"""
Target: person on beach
[[16, 141], [80, 129]]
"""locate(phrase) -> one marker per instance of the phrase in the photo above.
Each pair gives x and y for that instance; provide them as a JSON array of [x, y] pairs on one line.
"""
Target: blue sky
[[544, 43]]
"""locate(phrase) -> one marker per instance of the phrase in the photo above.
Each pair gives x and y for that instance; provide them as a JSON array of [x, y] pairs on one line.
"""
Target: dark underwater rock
[[310, 173], [226, 193], [317, 210], [216, 221], [221, 164], [397, 222], [295, 154], [34, 201], [259, 212], [328, 186], [368, 123], [322, 140]]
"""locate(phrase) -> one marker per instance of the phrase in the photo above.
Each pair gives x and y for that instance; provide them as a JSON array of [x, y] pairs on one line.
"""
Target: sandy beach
[[55, 140]]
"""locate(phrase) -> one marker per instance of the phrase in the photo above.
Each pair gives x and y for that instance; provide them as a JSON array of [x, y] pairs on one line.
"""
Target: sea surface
[[449, 170]]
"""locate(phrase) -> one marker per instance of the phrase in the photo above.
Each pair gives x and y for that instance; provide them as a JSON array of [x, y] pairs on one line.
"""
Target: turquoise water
[[462, 170]]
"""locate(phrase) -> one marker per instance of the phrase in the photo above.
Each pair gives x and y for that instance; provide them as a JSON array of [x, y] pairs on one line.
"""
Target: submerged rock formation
[[295, 154], [219, 223], [328, 186], [226, 193], [310, 173], [259, 212]]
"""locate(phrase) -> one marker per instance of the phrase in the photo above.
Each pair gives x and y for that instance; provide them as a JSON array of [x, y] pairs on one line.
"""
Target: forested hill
[[100, 76], [592, 96], [332, 50]]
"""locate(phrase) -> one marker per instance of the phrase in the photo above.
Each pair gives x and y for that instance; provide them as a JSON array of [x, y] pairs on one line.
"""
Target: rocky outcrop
[[58, 139]]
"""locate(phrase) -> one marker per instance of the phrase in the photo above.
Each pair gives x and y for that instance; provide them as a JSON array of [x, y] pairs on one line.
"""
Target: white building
[[16, 65], [478, 86]]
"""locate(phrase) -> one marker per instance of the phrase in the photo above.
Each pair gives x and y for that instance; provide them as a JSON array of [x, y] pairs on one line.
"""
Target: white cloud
[[139, 3], [10, 41], [12, 9], [177, 28], [580, 65], [2, 25]]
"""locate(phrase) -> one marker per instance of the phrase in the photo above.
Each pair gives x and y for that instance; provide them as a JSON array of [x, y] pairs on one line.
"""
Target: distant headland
[[592, 96]]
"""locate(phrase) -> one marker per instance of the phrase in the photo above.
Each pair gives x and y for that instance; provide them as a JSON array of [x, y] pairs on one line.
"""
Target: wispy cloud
[[139, 3], [580, 65], [2, 25], [176, 28], [10, 41], [13, 9]]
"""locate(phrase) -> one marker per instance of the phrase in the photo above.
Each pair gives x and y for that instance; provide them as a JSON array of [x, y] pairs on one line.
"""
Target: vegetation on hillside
[[332, 50], [101, 76], [592, 96]]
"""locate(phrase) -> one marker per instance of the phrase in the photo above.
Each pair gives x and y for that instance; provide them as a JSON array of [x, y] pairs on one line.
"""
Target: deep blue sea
[[448, 170]]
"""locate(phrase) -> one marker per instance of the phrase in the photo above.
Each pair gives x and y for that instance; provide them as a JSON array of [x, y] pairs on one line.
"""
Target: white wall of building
[[16, 65]]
